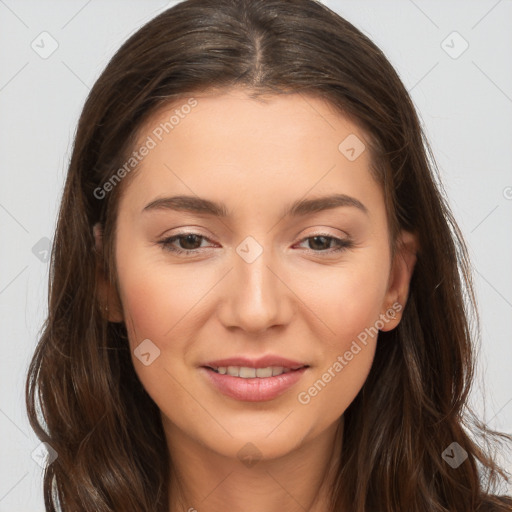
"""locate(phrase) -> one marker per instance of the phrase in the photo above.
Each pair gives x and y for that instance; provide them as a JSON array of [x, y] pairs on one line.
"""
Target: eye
[[321, 243], [190, 242]]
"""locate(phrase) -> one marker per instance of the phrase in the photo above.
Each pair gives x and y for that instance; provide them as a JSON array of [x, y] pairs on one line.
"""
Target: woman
[[257, 287]]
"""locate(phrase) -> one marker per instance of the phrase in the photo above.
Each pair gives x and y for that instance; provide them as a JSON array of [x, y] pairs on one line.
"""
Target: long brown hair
[[83, 396]]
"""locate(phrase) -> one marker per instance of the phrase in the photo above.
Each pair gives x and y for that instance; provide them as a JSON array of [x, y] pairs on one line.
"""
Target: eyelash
[[342, 244]]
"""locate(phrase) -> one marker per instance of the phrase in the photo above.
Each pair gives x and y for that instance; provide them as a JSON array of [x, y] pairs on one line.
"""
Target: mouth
[[246, 372], [255, 383]]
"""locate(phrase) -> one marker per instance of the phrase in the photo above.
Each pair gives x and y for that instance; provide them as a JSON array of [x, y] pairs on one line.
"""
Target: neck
[[205, 481]]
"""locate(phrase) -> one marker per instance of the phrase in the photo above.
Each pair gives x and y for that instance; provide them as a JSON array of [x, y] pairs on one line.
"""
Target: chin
[[262, 442]]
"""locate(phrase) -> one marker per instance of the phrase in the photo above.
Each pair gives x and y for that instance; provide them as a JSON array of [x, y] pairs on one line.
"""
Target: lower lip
[[256, 389]]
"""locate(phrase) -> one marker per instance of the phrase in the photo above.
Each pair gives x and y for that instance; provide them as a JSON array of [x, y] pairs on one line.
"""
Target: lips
[[253, 380], [262, 362]]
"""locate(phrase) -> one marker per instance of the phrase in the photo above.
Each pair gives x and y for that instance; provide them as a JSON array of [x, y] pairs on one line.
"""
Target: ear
[[108, 298], [399, 279]]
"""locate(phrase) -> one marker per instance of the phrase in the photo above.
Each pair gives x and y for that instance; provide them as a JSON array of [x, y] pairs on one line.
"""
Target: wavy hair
[[82, 393]]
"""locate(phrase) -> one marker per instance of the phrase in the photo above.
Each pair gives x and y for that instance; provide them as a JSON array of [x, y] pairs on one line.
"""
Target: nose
[[255, 294]]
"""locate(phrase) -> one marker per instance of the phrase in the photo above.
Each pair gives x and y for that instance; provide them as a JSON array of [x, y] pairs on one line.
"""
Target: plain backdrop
[[453, 56]]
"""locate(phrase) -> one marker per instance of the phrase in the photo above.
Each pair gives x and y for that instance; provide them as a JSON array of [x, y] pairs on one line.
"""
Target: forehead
[[233, 146]]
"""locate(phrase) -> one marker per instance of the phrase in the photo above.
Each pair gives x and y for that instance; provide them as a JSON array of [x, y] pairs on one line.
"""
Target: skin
[[256, 157]]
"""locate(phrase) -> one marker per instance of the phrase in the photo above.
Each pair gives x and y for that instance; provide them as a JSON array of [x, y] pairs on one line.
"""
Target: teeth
[[250, 373], [277, 370], [247, 373], [264, 372]]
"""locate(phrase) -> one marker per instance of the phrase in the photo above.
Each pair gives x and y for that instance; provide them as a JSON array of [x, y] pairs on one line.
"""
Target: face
[[264, 286]]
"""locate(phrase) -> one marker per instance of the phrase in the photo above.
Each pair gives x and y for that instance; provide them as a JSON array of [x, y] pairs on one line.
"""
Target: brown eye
[[324, 244], [320, 242], [187, 243]]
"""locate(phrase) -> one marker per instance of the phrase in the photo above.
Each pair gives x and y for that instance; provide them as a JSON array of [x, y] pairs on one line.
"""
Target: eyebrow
[[298, 208]]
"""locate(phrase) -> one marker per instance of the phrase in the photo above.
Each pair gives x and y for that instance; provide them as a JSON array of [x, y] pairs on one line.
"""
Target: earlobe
[[400, 277], [107, 296]]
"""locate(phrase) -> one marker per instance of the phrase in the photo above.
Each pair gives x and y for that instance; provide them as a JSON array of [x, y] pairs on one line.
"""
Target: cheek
[[334, 386], [143, 302], [347, 300], [154, 299], [350, 303], [155, 304]]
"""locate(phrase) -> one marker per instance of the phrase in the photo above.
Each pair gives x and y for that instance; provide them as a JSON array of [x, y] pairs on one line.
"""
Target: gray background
[[464, 100]]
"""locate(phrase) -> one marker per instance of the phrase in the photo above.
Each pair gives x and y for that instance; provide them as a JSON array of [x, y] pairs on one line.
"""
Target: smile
[[252, 384], [245, 372]]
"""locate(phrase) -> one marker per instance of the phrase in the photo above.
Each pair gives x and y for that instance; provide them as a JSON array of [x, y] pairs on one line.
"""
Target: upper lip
[[262, 362]]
